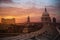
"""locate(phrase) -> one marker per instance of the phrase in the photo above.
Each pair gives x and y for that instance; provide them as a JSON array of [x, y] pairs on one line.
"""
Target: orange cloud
[[21, 14]]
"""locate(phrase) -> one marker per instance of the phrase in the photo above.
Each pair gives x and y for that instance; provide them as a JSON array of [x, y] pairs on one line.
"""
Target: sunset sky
[[20, 9]]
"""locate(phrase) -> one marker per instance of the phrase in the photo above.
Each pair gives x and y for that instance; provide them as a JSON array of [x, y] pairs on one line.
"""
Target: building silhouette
[[47, 28], [50, 29], [28, 20], [45, 17], [26, 29], [54, 20], [8, 21]]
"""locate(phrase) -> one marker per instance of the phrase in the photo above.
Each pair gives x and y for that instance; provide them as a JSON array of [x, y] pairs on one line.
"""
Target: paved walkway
[[26, 36]]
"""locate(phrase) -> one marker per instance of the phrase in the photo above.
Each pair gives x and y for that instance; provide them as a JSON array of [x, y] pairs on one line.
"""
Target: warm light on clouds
[[8, 17], [21, 9]]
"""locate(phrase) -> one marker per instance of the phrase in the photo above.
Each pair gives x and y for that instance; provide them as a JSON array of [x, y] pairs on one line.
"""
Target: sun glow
[[9, 17]]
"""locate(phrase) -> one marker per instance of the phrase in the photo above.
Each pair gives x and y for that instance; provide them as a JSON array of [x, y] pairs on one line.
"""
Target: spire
[[45, 10], [28, 19]]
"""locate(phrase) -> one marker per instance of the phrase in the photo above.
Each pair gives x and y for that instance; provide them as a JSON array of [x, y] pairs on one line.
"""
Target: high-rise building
[[8, 21]]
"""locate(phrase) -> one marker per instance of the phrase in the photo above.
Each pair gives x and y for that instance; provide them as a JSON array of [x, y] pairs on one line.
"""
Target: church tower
[[28, 20], [45, 17], [26, 29]]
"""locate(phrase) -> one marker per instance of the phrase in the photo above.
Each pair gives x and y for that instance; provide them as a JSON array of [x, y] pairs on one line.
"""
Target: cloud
[[5, 1]]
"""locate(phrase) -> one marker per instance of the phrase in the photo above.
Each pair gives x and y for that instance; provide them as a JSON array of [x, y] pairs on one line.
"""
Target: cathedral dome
[[45, 13], [45, 16]]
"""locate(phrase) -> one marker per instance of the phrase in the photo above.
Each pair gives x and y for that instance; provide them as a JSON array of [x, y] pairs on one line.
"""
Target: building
[[50, 29], [54, 20], [26, 29], [45, 17], [47, 32], [28, 19], [8, 21]]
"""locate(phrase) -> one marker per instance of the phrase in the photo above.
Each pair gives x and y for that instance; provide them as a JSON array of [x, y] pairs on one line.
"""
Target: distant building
[[28, 19], [50, 29], [54, 20], [10, 29], [46, 30], [26, 29], [45, 17], [8, 21]]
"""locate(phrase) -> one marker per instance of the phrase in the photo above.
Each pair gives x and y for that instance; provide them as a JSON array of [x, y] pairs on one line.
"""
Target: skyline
[[20, 9]]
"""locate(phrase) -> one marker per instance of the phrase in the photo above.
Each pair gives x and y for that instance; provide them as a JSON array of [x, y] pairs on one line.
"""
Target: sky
[[20, 9]]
